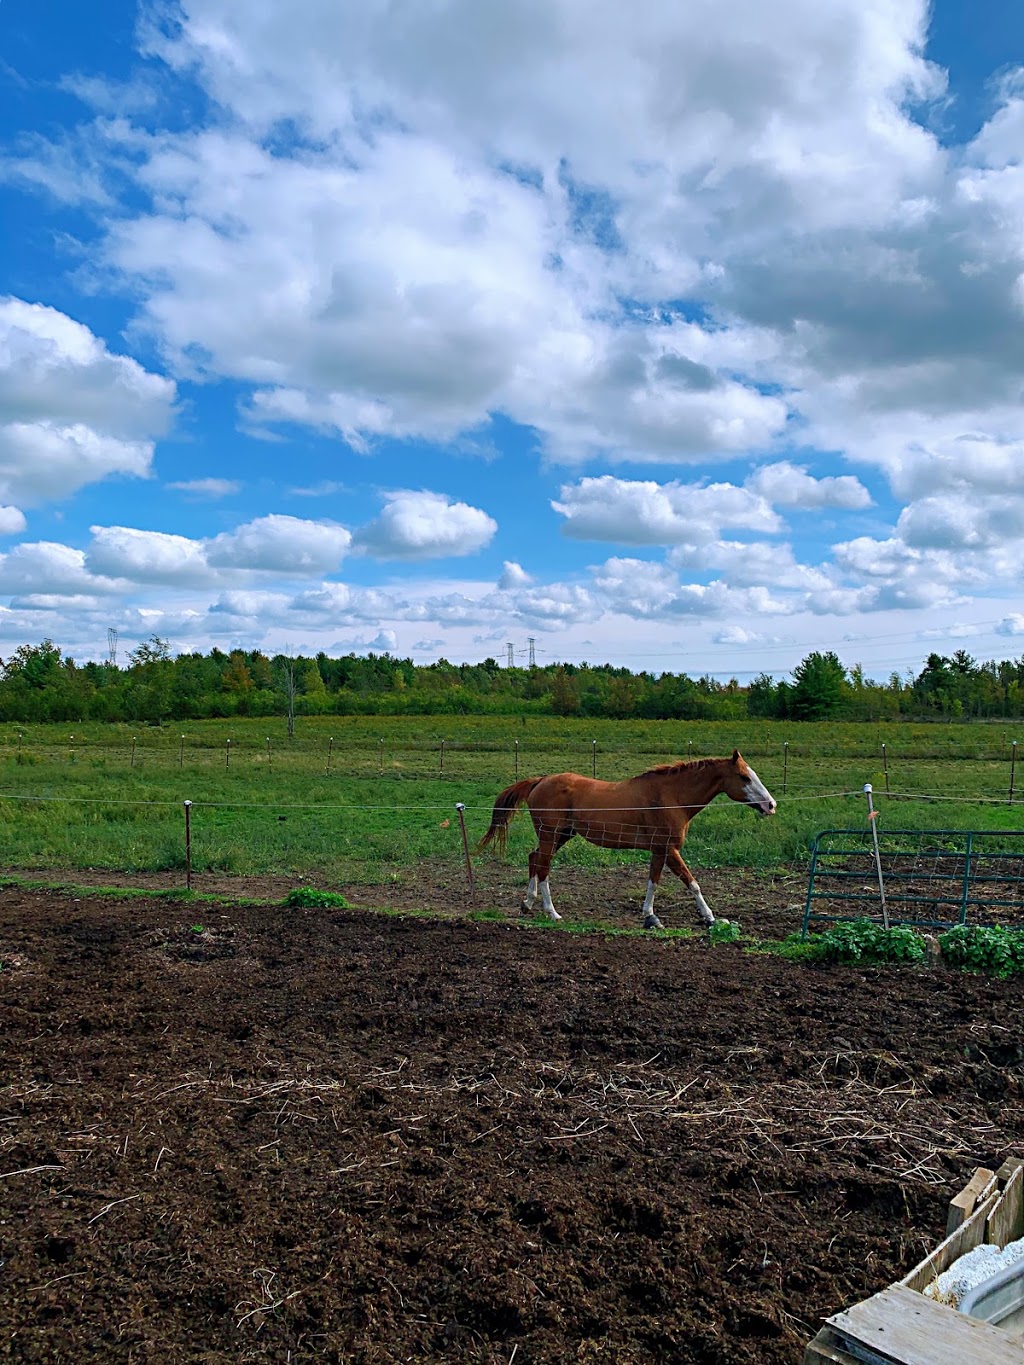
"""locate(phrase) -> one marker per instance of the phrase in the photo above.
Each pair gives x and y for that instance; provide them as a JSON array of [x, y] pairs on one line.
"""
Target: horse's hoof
[[653, 922]]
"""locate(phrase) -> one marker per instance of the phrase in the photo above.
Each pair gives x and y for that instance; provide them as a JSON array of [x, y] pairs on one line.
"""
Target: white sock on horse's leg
[[703, 909], [651, 920], [530, 896], [545, 895]]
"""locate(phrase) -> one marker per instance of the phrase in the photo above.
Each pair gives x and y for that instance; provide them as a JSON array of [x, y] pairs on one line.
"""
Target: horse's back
[[571, 791]]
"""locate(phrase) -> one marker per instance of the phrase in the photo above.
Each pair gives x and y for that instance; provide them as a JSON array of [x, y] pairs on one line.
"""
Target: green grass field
[[355, 798]]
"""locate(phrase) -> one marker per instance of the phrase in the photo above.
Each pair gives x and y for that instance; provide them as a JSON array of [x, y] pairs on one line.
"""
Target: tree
[[763, 697], [290, 687], [565, 694], [819, 687]]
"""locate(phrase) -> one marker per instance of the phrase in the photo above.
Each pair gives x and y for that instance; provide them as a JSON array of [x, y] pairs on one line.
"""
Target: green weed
[[975, 948], [309, 898], [724, 931], [864, 941]]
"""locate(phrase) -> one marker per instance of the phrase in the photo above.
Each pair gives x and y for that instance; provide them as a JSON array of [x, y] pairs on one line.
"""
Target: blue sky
[[435, 329]]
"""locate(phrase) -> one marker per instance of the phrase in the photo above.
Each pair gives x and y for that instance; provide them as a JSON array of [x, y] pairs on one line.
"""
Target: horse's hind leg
[[551, 840], [651, 920], [675, 862]]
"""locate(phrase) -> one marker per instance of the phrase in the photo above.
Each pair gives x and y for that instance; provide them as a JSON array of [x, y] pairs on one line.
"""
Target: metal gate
[[933, 879]]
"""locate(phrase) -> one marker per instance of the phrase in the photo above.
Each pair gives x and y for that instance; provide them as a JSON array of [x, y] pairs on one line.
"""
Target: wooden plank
[[1006, 1221], [966, 1237], [1011, 1164], [899, 1327], [823, 1351], [961, 1206]]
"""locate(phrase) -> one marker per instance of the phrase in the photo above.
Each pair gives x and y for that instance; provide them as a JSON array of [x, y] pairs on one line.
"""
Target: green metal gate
[[933, 879]]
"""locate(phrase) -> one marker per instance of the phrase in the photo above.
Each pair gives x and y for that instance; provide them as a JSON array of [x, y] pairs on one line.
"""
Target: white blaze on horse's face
[[757, 794]]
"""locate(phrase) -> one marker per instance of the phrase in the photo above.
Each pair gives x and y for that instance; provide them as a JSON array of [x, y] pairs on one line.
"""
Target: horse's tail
[[504, 809]]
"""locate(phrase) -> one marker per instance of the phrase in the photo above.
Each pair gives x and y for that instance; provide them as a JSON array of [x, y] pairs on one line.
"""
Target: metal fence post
[[873, 822], [188, 845]]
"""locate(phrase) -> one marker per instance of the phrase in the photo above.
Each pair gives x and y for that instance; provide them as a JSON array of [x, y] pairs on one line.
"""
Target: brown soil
[[232, 1134]]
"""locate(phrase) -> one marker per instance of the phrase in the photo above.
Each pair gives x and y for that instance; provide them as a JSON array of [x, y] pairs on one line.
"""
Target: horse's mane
[[682, 765]]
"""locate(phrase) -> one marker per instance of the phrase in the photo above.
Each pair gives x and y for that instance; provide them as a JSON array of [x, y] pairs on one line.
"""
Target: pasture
[[372, 799], [238, 1132]]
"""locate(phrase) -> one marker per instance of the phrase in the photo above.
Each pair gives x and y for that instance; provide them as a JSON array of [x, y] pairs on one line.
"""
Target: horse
[[650, 811]]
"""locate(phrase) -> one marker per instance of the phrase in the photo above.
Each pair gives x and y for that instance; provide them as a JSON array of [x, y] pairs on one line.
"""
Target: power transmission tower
[[511, 655], [112, 645], [533, 657]]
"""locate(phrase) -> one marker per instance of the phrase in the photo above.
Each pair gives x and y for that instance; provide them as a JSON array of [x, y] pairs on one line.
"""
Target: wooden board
[[1008, 1167], [1006, 1221], [961, 1206], [823, 1351], [901, 1327], [966, 1237]]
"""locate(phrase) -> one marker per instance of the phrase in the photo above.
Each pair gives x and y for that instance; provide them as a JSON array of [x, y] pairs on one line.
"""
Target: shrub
[[977, 949], [862, 940]]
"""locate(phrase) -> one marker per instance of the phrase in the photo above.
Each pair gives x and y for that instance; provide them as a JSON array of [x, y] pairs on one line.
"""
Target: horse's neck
[[701, 786]]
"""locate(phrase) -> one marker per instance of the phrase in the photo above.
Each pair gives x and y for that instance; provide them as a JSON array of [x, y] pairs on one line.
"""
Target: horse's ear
[[735, 755]]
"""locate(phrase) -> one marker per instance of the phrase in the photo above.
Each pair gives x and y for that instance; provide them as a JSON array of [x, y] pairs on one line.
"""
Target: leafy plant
[[310, 898], [862, 940], [978, 949], [724, 931], [197, 928]]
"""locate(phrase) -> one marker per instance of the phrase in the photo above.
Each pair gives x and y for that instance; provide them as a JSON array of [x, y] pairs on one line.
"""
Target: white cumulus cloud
[[71, 412], [424, 525]]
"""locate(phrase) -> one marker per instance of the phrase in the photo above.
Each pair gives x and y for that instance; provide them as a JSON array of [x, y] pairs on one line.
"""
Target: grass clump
[[864, 941], [724, 931], [310, 898], [993, 949]]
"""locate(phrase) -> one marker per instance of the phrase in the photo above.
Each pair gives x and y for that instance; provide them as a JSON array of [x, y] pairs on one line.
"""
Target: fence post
[[380, 758], [873, 822], [181, 753], [330, 751], [594, 765], [71, 756], [885, 768], [785, 765], [460, 807], [1013, 768], [516, 746], [270, 756], [188, 845], [689, 748], [132, 763], [442, 755], [227, 753]]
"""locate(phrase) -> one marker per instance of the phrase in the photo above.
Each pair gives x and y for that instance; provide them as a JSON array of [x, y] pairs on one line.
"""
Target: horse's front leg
[[675, 862], [651, 920]]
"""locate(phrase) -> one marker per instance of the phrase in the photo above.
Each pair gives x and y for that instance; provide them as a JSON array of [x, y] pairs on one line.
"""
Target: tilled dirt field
[[241, 1133]]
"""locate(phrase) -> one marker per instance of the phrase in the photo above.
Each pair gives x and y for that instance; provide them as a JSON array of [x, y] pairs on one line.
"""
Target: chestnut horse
[[650, 811]]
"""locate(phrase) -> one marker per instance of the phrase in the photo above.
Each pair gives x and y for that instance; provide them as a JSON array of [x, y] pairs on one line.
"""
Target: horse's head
[[743, 784]]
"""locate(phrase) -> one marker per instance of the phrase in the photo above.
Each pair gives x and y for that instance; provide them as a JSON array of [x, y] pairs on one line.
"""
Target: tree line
[[39, 683]]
